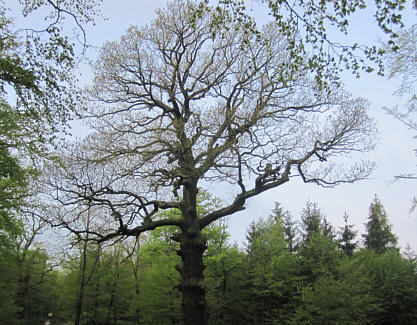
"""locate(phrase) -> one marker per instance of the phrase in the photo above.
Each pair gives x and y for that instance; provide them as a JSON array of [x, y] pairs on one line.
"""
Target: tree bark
[[80, 297], [192, 246], [193, 292]]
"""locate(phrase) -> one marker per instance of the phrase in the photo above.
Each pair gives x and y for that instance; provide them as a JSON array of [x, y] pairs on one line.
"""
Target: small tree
[[378, 236], [175, 106], [313, 221], [288, 224], [346, 240]]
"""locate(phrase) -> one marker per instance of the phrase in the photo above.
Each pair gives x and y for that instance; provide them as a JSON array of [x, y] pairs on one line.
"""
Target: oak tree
[[175, 107], [36, 100]]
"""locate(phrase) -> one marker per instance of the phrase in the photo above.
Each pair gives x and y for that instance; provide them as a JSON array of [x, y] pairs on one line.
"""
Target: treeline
[[289, 272]]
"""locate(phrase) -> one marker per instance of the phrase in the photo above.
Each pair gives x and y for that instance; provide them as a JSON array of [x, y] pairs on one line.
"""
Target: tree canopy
[[174, 107]]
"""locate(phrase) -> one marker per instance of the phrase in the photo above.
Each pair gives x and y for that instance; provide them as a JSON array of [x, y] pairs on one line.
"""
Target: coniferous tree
[[313, 221], [378, 236], [226, 280], [342, 298], [393, 281], [347, 235], [318, 251], [274, 273], [311, 218], [289, 226]]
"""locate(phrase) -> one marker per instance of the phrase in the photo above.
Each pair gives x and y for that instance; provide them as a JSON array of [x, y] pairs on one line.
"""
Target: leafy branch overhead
[[37, 69], [309, 26]]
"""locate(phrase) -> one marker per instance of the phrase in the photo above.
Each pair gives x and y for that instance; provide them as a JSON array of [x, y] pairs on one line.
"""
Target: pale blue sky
[[394, 154]]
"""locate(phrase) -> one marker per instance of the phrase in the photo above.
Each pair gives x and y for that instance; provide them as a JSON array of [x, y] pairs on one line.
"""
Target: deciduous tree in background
[[37, 97], [175, 106]]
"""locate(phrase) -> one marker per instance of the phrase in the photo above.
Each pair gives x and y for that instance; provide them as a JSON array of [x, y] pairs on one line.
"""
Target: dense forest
[[291, 270], [120, 224]]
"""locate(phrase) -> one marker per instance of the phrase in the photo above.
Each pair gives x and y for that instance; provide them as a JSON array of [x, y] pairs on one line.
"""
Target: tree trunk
[[192, 246], [109, 308], [96, 301], [224, 286], [80, 297], [193, 293], [137, 292], [135, 269]]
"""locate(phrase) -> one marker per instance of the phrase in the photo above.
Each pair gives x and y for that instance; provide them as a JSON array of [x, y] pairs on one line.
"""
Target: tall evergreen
[[318, 251], [313, 222], [347, 235], [378, 236], [288, 224], [311, 218]]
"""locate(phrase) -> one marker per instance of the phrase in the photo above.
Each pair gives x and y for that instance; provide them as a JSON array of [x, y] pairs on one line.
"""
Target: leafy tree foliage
[[37, 82], [13, 183], [274, 273], [320, 257], [342, 298], [289, 226], [37, 90], [37, 96], [160, 298], [226, 281], [402, 63], [313, 222], [307, 26], [37, 288], [136, 282], [393, 286], [8, 286]]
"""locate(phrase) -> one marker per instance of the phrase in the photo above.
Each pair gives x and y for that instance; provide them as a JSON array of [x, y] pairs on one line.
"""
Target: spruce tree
[[311, 217], [378, 236], [288, 224], [347, 235], [313, 221]]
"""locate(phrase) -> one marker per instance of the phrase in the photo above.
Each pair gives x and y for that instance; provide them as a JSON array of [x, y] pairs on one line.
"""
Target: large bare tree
[[176, 107]]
